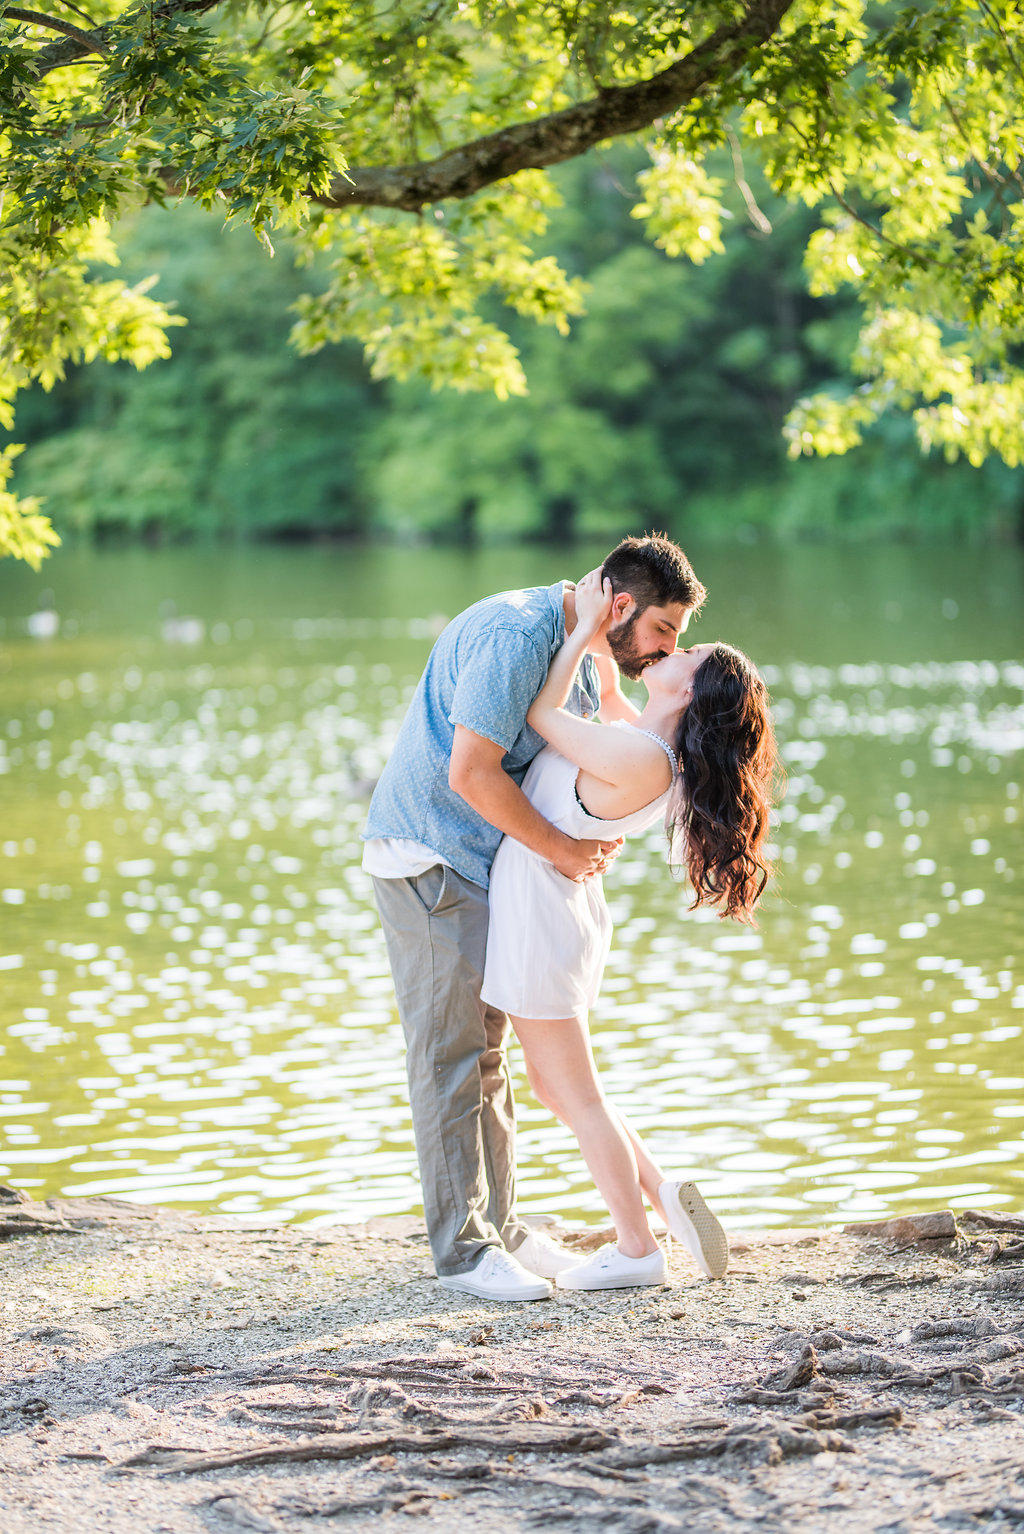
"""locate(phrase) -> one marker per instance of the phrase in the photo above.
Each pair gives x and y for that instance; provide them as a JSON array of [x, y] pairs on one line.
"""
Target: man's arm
[[614, 703], [476, 774]]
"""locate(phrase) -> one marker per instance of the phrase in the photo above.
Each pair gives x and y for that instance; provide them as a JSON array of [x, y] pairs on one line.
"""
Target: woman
[[702, 753]]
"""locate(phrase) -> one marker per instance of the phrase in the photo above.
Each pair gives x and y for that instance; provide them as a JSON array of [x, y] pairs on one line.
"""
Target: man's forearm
[[614, 703], [502, 802], [477, 776]]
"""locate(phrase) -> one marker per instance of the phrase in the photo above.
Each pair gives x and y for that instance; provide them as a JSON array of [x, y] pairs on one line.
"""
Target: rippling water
[[196, 1006]]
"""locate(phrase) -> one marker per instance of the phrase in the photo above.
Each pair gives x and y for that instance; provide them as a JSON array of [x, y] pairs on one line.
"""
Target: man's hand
[[581, 860], [476, 774]]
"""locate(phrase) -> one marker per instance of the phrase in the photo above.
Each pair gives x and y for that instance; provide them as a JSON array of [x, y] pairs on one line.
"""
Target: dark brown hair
[[654, 571], [718, 818]]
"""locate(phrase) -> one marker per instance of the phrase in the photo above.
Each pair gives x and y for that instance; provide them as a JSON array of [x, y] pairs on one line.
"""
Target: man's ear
[[622, 606]]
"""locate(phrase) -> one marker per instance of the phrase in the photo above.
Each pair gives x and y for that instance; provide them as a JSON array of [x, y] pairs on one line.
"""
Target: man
[[448, 794]]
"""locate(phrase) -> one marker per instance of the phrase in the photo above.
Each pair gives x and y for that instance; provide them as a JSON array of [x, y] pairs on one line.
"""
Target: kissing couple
[[520, 767]]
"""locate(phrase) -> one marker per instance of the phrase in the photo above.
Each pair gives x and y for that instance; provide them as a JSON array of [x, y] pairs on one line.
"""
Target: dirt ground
[[175, 1374]]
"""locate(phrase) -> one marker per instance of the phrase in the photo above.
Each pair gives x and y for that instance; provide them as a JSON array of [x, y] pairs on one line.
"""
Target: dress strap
[[673, 759]]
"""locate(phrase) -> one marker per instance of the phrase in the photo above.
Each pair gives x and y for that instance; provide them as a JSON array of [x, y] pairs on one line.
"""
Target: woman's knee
[[542, 1090], [551, 1095], [567, 1101]]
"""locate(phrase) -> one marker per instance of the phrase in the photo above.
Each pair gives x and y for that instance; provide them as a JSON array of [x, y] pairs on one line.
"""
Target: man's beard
[[627, 655]]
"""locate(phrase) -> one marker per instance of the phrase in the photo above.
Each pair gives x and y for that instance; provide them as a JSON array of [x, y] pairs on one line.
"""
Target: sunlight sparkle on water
[[196, 999]]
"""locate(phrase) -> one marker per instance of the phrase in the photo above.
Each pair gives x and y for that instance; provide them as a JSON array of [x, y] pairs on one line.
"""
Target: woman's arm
[[618, 757], [593, 609], [621, 758]]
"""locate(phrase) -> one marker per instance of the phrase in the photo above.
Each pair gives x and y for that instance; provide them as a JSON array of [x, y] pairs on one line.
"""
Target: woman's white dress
[[548, 937]]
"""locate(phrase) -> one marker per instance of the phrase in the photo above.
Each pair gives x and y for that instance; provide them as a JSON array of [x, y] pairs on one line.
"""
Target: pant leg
[[435, 927], [498, 1126]]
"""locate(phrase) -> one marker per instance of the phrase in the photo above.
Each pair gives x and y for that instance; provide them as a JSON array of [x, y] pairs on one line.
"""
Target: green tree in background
[[664, 405], [407, 151], [646, 402], [235, 434]]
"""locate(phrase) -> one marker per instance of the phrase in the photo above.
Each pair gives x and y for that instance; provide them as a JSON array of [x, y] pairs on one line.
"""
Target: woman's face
[[673, 675]]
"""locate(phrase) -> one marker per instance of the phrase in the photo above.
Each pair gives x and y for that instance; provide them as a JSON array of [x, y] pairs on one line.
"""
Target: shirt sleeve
[[497, 681]]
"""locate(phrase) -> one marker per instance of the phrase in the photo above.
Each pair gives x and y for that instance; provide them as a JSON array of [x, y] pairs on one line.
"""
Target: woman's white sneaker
[[610, 1269], [689, 1218], [498, 1276], [539, 1254]]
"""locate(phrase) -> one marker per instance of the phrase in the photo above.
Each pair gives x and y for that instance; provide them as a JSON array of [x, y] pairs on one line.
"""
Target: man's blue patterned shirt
[[484, 672]]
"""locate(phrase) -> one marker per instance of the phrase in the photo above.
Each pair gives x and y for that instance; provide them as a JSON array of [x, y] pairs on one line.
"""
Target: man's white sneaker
[[498, 1276], [609, 1269], [689, 1218], [539, 1254]]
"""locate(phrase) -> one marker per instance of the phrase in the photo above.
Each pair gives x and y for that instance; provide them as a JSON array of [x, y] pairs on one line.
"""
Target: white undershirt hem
[[397, 857]]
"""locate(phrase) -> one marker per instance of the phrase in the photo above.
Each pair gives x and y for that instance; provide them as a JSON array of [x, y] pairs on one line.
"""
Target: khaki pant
[[463, 1113]]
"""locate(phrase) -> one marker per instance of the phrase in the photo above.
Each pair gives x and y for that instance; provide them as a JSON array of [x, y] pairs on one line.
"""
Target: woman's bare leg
[[562, 1073], [650, 1173]]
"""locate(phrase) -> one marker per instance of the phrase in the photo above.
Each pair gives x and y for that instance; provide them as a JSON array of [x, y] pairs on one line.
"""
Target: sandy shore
[[171, 1373]]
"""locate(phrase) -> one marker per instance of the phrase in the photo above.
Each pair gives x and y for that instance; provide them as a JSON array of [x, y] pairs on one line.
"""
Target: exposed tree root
[[768, 1442], [634, 1414], [524, 1439]]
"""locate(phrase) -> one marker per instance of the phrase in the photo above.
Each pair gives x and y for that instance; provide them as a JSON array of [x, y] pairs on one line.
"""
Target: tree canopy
[[405, 150], [663, 406]]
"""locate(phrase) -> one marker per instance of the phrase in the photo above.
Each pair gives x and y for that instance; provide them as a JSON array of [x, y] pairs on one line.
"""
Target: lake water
[[195, 1006]]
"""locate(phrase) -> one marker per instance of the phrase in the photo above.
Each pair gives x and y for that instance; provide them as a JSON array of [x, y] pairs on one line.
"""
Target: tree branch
[[879, 234], [761, 222], [72, 7], [542, 141], [560, 135], [80, 44], [91, 42]]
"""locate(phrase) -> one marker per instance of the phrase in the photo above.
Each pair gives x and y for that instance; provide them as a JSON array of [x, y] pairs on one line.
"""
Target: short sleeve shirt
[[483, 673]]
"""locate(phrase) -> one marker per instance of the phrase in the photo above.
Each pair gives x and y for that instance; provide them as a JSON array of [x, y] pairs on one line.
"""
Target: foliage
[[406, 152], [411, 293], [234, 436], [663, 406], [24, 531]]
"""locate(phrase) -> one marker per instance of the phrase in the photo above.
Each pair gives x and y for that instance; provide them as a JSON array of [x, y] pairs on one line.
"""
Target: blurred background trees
[[852, 167], [664, 405]]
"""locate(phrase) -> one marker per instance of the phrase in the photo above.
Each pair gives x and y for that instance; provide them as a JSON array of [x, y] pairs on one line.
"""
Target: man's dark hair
[[655, 572]]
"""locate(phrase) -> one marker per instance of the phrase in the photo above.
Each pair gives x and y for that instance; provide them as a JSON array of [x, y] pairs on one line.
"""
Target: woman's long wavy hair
[[718, 817]]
